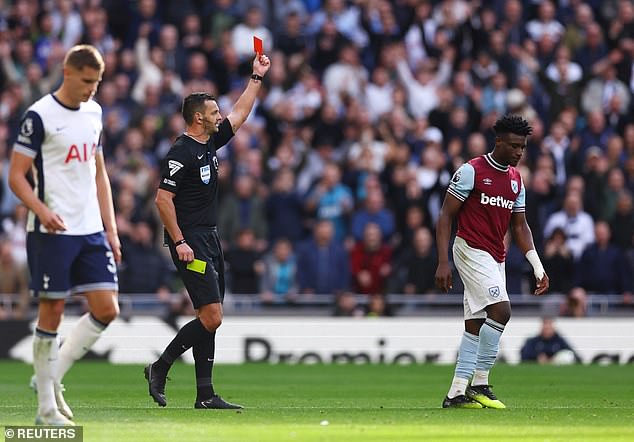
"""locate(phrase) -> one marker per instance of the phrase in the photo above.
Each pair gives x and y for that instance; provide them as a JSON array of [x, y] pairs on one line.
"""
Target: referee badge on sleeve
[[205, 174]]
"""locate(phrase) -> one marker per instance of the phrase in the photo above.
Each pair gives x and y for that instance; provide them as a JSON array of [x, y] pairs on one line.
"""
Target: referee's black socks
[[190, 334], [204, 351]]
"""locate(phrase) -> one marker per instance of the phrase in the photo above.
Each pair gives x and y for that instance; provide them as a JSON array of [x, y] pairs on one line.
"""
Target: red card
[[257, 45]]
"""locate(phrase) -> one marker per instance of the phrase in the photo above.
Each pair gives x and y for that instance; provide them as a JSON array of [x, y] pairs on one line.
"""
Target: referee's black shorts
[[207, 288]]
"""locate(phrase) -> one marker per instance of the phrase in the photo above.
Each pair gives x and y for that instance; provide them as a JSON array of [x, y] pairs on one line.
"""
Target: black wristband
[[257, 77], [179, 242]]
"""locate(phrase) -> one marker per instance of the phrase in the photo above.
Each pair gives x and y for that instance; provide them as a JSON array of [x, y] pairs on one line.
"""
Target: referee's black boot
[[218, 403], [156, 385]]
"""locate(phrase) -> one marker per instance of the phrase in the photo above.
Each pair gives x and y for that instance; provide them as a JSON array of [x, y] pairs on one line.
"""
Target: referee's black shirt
[[190, 171]]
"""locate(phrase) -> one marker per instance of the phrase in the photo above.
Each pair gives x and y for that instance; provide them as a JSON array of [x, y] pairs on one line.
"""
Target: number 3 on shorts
[[112, 266]]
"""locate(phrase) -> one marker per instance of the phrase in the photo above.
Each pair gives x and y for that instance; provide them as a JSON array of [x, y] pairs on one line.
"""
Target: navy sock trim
[[97, 322], [44, 333], [494, 325]]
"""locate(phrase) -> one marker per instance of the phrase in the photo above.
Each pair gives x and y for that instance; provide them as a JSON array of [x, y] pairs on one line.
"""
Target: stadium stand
[[366, 101]]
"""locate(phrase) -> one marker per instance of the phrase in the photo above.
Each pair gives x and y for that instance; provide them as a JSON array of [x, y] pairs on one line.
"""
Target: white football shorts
[[483, 277]]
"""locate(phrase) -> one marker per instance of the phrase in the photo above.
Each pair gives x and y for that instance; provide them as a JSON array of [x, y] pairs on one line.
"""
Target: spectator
[[144, 14], [142, 269], [512, 24], [67, 23], [558, 262], [221, 19], [545, 347], [346, 305], [557, 145], [284, 208], [244, 264], [13, 280], [599, 93], [622, 224], [595, 177], [596, 133], [370, 262], [515, 269], [545, 25], [279, 278], [603, 268], [414, 219], [375, 212], [414, 272], [576, 224], [421, 87], [328, 43], [14, 228], [345, 18], [346, 78], [242, 34], [576, 303], [577, 30], [378, 306], [243, 209], [541, 194], [592, 48], [331, 200], [407, 119], [292, 41], [494, 96], [378, 93], [615, 185], [322, 262]]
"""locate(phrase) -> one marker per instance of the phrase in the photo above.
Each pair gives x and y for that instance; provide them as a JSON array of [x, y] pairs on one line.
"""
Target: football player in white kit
[[58, 171]]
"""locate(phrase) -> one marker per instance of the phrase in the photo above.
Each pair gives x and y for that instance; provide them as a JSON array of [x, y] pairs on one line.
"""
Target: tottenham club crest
[[514, 186]]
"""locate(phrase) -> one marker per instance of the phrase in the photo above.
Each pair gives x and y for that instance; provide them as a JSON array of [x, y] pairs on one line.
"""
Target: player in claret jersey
[[72, 242], [485, 194]]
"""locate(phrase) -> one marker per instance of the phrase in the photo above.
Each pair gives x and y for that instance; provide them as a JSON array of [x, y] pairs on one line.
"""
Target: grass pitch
[[360, 403]]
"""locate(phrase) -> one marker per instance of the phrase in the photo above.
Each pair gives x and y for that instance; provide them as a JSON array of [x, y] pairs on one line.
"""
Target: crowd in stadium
[[335, 182]]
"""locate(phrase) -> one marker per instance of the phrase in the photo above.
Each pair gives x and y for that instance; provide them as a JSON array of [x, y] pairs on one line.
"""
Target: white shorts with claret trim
[[483, 277]]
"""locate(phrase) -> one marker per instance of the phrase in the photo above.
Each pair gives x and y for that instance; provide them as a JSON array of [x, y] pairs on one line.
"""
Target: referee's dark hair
[[513, 124], [195, 102]]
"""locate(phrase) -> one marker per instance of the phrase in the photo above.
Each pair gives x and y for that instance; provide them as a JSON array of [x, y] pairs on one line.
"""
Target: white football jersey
[[63, 142]]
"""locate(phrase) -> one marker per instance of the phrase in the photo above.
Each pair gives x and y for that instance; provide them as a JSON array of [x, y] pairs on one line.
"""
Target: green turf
[[360, 402]]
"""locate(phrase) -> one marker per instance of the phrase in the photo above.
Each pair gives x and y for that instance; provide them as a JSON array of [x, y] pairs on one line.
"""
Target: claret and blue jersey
[[490, 193]]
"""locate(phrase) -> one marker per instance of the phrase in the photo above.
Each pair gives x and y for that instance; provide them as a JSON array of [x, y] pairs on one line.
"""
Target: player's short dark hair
[[81, 56], [512, 124], [195, 102]]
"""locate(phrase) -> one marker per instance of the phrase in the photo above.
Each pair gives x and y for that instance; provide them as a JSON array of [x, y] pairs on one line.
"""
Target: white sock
[[78, 342], [458, 387], [45, 360], [481, 377]]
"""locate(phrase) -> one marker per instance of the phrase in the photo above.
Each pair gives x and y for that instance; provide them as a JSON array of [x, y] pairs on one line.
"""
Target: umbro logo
[[487, 181], [174, 166]]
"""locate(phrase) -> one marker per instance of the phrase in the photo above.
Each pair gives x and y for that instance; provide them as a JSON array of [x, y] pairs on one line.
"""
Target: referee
[[187, 201]]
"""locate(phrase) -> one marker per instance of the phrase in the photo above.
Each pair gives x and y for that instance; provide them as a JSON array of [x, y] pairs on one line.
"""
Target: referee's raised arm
[[243, 106]]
